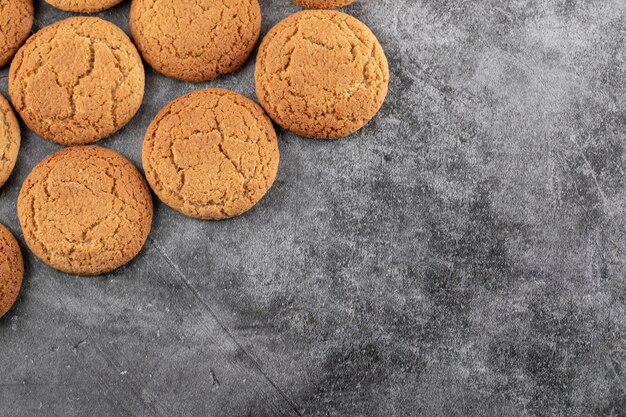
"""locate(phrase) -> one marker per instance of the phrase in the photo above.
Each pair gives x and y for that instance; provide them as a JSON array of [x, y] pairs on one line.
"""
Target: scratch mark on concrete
[[183, 279], [592, 172]]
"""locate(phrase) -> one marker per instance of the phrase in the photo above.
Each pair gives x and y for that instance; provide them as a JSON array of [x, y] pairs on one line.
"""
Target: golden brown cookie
[[211, 154], [16, 21], [323, 4], [321, 74], [77, 81], [11, 270], [195, 40], [85, 210], [83, 6], [9, 140]]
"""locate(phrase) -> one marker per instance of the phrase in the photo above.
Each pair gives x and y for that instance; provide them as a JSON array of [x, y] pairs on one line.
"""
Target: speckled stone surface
[[463, 255]]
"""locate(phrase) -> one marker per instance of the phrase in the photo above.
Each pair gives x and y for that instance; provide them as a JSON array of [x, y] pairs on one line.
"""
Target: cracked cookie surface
[[211, 154], [85, 210], [11, 270], [77, 81], [321, 74], [323, 4], [16, 21], [10, 139], [83, 6], [195, 40]]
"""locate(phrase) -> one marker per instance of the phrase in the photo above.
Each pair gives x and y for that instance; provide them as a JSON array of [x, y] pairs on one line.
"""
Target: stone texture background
[[462, 255]]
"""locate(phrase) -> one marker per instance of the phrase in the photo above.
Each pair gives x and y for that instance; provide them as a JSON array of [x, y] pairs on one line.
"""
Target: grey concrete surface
[[462, 255]]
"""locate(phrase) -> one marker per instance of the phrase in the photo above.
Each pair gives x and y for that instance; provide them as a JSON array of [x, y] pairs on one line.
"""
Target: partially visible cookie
[[211, 154], [321, 74], [16, 21], [195, 40], [77, 81], [85, 210], [83, 6], [10, 139], [323, 4], [11, 270]]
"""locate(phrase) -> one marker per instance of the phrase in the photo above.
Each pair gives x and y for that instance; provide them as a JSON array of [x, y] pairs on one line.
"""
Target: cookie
[[9, 140], [195, 40], [77, 81], [321, 74], [85, 210], [83, 6], [211, 154], [323, 4], [11, 270], [16, 21]]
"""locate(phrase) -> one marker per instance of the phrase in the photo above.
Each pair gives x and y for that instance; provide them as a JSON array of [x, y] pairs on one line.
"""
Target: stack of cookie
[[212, 154]]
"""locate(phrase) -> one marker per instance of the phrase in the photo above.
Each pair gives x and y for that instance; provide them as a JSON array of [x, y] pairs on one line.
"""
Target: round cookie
[[16, 21], [83, 6], [323, 4], [85, 210], [77, 81], [321, 74], [195, 40], [10, 139], [11, 270], [211, 154]]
